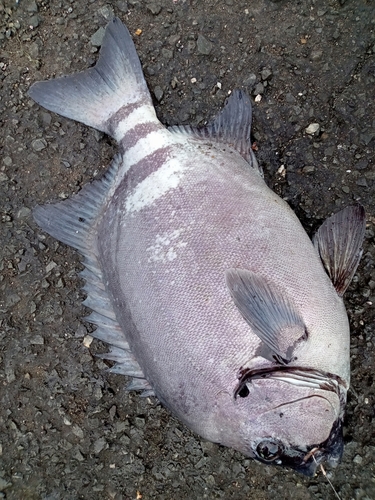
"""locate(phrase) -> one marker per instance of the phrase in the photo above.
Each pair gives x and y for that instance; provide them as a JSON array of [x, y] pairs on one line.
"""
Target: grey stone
[[37, 340], [367, 137], [46, 118], [23, 213], [290, 98], [99, 445], [154, 8], [266, 74], [4, 484], [316, 55], [122, 5], [12, 299], [259, 89], [34, 50], [107, 12], [31, 6], [158, 93], [167, 53], [33, 21], [51, 265], [362, 182], [250, 80], [39, 144], [97, 38], [362, 164], [204, 46]]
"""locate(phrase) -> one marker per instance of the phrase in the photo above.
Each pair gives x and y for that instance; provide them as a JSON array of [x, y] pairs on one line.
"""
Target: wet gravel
[[68, 428]]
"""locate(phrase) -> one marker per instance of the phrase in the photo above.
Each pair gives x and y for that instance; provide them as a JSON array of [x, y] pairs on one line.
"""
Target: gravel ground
[[68, 428]]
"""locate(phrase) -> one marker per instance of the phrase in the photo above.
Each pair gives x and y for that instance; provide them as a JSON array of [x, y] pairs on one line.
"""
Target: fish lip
[[329, 452]]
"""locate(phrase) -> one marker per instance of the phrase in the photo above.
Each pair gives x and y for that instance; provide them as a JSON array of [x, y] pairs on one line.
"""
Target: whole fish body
[[201, 279]]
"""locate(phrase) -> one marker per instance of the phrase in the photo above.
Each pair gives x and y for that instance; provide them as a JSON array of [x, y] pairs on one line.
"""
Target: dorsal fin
[[232, 126]]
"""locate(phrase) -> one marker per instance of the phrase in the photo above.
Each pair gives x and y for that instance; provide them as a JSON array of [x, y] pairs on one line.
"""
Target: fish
[[201, 280]]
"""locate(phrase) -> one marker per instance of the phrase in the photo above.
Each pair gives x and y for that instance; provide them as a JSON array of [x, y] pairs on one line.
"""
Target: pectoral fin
[[272, 316], [338, 242]]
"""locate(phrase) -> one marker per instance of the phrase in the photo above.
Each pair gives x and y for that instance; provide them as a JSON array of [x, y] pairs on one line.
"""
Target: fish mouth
[[330, 452]]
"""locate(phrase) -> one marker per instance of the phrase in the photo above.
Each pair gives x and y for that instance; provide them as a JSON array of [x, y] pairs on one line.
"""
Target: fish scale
[[202, 280]]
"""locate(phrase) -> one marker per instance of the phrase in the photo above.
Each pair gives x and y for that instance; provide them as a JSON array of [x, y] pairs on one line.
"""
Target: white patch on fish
[[156, 185], [151, 143], [142, 114], [159, 252]]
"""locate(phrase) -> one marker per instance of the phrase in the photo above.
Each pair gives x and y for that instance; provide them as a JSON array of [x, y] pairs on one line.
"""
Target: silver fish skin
[[200, 278]]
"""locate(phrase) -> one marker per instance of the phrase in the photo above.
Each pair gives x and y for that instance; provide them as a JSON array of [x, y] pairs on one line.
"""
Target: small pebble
[[308, 169], [87, 341], [316, 55], [37, 340], [7, 160], [51, 265], [313, 129]]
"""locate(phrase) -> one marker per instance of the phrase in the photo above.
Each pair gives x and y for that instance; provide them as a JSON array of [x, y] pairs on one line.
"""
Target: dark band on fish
[[142, 169], [138, 132], [121, 115], [323, 380]]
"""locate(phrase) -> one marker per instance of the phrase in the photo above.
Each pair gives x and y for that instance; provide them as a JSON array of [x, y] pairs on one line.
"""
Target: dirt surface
[[69, 430]]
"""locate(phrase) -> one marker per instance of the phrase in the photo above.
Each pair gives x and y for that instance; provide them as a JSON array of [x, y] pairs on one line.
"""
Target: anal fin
[[73, 222]]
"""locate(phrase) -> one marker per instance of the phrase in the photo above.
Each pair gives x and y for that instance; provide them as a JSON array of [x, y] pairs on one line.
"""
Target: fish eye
[[244, 391], [269, 450]]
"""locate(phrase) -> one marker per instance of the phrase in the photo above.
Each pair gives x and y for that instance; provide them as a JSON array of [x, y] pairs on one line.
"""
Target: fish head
[[296, 426]]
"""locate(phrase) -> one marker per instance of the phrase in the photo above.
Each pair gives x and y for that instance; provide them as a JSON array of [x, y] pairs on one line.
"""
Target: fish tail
[[103, 95]]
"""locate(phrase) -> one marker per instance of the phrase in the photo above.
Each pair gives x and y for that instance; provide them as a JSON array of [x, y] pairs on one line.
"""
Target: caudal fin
[[95, 95]]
